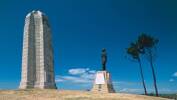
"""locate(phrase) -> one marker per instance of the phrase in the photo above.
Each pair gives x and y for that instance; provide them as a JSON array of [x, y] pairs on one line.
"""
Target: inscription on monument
[[100, 79]]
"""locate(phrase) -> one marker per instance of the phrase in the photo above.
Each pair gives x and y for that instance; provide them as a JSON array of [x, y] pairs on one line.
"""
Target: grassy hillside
[[170, 96], [48, 94]]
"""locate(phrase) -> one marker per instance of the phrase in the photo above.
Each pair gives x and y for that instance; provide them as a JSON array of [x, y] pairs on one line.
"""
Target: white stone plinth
[[103, 83]]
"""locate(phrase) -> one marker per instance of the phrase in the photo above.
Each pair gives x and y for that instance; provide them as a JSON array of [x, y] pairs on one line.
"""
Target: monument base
[[30, 85], [103, 83]]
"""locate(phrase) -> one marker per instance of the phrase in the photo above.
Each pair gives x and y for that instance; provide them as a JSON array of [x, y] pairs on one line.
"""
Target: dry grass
[[47, 94]]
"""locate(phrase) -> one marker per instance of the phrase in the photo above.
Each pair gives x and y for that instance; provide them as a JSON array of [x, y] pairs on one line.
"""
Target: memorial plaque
[[100, 79]]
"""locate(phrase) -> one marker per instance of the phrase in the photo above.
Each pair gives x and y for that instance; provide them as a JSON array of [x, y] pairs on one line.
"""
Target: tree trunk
[[153, 73], [142, 77]]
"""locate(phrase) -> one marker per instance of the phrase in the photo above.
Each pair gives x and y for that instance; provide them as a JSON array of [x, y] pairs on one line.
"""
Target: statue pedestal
[[103, 83]]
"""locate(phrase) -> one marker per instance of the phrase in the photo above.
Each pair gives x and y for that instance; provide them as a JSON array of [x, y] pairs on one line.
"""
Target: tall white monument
[[103, 82], [37, 57]]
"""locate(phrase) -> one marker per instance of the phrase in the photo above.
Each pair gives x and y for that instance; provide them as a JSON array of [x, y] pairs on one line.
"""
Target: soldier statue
[[104, 59]]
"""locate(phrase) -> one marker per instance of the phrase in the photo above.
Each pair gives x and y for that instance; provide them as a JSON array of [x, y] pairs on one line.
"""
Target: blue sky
[[81, 28]]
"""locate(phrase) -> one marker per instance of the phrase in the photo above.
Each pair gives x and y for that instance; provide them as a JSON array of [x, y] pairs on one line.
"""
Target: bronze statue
[[104, 59]]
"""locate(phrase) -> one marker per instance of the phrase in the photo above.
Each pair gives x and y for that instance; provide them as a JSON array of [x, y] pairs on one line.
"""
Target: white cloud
[[90, 76], [92, 71], [166, 90], [73, 79], [131, 90], [126, 83], [175, 74], [78, 71], [59, 79], [171, 80], [150, 90], [78, 75]]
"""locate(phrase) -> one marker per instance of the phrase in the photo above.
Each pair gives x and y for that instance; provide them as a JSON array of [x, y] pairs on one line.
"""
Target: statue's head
[[103, 50]]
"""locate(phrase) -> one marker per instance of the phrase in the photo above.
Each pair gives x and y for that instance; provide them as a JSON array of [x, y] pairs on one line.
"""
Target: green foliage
[[143, 45], [133, 51], [147, 41]]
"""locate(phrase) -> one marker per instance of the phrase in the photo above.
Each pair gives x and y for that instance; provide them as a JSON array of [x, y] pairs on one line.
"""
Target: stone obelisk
[[103, 83], [37, 57]]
